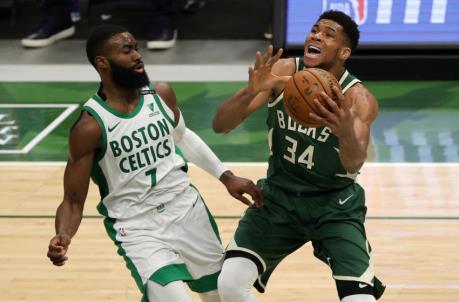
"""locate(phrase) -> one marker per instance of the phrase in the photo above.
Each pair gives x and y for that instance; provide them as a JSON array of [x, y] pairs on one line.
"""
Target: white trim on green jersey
[[346, 81], [351, 81], [304, 159]]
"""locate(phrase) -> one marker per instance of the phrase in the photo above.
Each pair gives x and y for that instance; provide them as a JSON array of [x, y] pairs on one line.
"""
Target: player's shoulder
[[86, 125], [285, 66], [360, 90], [363, 101], [85, 135], [166, 92], [160, 85]]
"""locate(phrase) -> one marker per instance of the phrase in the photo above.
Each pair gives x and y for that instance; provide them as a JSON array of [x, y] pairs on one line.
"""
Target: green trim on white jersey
[[117, 113], [109, 227], [103, 147], [138, 166]]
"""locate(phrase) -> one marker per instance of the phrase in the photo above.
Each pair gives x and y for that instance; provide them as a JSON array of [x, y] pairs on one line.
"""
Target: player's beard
[[128, 78]]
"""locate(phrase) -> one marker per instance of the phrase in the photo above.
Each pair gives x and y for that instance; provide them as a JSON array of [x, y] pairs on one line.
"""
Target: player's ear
[[345, 53], [101, 62]]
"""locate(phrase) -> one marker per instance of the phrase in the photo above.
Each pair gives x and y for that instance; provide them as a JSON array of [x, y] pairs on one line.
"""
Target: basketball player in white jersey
[[131, 139]]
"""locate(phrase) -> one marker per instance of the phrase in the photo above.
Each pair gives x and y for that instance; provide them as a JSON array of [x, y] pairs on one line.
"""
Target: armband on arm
[[196, 150]]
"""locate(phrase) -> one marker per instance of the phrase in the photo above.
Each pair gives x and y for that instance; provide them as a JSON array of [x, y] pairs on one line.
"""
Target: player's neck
[[119, 98], [337, 71], [116, 93]]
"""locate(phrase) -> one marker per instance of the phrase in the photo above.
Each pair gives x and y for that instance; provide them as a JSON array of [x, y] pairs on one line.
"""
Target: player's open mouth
[[139, 68], [313, 51]]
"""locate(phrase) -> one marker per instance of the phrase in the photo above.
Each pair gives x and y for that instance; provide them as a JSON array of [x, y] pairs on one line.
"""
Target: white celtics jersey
[[138, 167]]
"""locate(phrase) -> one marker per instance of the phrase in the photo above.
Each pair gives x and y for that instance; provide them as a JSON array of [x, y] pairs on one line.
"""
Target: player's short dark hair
[[349, 26], [99, 36]]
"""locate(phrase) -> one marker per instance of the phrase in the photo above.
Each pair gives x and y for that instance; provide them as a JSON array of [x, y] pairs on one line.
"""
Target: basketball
[[301, 90]]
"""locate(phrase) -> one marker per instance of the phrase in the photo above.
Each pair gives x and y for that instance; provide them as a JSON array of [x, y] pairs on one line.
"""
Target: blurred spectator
[[75, 11], [57, 24], [192, 6], [163, 30]]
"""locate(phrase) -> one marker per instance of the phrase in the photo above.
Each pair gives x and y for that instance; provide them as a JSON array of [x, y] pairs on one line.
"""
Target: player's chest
[[283, 124]]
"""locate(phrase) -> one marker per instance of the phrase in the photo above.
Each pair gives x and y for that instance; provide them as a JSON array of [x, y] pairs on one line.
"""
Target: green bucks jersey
[[138, 167], [304, 159]]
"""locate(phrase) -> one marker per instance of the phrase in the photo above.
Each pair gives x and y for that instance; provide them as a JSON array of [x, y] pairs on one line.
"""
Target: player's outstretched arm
[[83, 141], [197, 151], [263, 77]]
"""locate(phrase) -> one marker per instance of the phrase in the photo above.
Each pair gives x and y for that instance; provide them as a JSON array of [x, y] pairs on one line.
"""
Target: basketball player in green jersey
[[310, 190], [126, 139]]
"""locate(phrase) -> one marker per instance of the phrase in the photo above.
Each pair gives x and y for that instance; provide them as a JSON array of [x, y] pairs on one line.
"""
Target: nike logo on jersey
[[348, 175], [341, 202], [110, 129], [362, 285]]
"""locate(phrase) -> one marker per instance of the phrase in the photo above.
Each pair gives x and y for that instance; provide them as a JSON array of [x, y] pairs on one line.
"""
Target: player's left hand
[[261, 77], [238, 186], [339, 117]]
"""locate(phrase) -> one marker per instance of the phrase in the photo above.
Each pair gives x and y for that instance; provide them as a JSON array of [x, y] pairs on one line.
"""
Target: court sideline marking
[[86, 73], [53, 125]]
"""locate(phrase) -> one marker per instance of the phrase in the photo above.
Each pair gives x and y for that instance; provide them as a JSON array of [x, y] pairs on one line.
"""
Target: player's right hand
[[57, 249], [238, 186]]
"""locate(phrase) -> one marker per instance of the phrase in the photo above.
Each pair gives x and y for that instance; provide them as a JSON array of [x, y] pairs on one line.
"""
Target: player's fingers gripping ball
[[301, 91]]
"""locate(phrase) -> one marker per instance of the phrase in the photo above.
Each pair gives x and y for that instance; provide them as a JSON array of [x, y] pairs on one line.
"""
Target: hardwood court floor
[[413, 226]]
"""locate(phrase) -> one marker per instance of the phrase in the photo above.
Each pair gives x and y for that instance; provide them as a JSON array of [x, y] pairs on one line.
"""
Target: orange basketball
[[301, 90]]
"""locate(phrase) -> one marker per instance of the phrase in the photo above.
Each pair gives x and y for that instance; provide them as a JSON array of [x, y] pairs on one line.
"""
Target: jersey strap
[[347, 81]]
